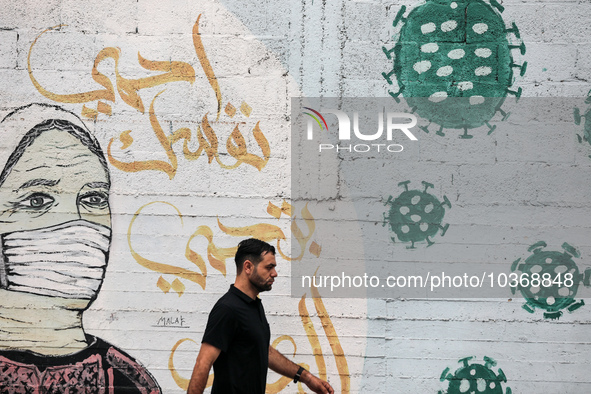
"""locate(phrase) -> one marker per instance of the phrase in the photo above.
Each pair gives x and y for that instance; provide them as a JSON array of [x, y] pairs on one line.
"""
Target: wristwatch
[[298, 375]]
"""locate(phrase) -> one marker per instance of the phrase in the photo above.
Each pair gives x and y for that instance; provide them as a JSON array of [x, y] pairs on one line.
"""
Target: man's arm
[[280, 364], [207, 356]]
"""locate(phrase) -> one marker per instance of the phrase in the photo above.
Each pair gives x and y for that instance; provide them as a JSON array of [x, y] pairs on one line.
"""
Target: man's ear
[[247, 266]]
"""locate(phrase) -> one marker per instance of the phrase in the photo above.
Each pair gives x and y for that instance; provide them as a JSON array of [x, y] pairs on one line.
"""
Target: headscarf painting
[[55, 233]]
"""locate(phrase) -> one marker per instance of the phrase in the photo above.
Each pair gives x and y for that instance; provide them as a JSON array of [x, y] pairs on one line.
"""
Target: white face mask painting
[[67, 260]]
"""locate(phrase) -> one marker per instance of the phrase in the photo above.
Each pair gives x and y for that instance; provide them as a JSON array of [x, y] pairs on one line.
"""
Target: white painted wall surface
[[263, 53]]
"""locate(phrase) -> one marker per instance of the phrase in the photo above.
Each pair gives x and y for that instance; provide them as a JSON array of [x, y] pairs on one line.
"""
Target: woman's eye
[[37, 201], [94, 200]]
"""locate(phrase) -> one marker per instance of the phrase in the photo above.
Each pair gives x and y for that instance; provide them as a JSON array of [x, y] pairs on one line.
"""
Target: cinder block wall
[[176, 215]]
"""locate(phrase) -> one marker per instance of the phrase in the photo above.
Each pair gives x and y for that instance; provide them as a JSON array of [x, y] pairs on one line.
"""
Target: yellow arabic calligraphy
[[236, 147], [183, 383], [333, 340], [216, 256], [207, 69], [174, 71], [193, 276], [269, 232], [301, 239], [128, 89], [263, 231], [312, 337], [283, 381]]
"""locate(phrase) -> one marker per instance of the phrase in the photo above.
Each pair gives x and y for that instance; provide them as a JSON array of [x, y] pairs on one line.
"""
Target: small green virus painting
[[455, 49], [416, 215], [549, 280], [475, 378], [586, 137]]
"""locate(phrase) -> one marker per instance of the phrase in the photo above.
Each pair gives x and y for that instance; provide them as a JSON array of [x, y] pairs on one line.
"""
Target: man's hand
[[207, 355], [280, 364], [315, 384]]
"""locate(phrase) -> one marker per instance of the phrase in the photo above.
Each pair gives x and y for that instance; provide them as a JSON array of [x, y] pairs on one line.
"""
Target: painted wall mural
[[551, 280], [56, 233], [475, 378], [314, 342], [416, 215], [456, 49], [160, 137], [97, 104], [128, 90], [216, 256]]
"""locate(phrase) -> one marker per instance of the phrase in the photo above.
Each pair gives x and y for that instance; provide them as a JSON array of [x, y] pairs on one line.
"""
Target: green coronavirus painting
[[475, 378], [549, 280], [453, 63], [586, 134], [415, 215]]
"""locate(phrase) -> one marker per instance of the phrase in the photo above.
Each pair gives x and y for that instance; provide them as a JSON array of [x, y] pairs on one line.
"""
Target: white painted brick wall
[[264, 53]]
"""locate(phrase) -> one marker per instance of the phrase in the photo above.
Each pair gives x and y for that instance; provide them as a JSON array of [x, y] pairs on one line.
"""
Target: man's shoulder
[[233, 298], [227, 302]]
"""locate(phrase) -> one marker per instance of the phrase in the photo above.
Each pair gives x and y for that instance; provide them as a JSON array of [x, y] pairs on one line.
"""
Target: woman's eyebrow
[[98, 185], [38, 182], [36, 168]]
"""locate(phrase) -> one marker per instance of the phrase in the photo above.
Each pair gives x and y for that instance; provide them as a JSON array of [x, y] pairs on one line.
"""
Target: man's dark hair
[[251, 249]]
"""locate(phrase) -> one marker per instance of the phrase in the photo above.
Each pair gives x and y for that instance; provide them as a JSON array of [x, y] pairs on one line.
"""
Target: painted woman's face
[[56, 180]]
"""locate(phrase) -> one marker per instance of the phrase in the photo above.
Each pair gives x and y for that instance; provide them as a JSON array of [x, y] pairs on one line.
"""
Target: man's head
[[255, 260]]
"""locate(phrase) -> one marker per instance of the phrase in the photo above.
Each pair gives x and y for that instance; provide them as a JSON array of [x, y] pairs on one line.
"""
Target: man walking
[[237, 335]]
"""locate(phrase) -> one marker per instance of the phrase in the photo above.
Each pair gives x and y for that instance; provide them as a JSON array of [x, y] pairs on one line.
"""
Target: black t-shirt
[[100, 367], [238, 327]]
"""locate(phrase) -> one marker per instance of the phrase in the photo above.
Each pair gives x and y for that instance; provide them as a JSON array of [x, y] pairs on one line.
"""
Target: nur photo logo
[[349, 132]]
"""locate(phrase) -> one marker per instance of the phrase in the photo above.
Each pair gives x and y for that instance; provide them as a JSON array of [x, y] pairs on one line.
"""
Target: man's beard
[[259, 283]]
